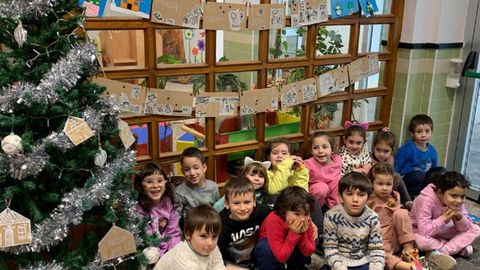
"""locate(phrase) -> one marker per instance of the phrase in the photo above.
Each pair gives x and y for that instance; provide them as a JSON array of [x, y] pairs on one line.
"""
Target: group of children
[[353, 206]]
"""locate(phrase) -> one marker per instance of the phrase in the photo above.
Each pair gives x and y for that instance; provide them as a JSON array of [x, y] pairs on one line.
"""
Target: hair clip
[[386, 129], [265, 164], [363, 125]]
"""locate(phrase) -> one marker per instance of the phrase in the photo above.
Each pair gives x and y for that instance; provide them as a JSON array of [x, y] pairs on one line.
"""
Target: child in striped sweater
[[352, 238]]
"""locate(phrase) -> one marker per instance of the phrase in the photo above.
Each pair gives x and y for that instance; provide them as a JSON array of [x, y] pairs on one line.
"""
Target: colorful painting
[[369, 7], [341, 8], [138, 8], [93, 8]]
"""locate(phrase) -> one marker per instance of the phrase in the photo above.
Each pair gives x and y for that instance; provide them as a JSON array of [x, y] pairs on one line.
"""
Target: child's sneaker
[[410, 256], [466, 251], [418, 265], [440, 261]]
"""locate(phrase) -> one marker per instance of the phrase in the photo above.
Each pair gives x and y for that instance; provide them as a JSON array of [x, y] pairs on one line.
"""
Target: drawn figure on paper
[[235, 18], [260, 12], [338, 9], [124, 103], [193, 18], [276, 18], [226, 107], [274, 104], [135, 94], [309, 92], [151, 103], [158, 16], [246, 110], [369, 8], [290, 97]]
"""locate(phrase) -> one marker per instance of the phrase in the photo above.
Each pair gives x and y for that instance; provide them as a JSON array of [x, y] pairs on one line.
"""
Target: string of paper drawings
[[138, 99]]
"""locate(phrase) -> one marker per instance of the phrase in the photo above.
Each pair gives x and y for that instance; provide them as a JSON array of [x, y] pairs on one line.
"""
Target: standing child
[[325, 168], [241, 220], [417, 156], [256, 172], [156, 202], [196, 189], [382, 151], [355, 156], [352, 238], [199, 249], [287, 170], [440, 221], [395, 223], [287, 234]]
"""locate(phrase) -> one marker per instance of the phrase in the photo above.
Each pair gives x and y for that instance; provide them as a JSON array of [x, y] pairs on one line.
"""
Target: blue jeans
[[266, 260], [360, 267]]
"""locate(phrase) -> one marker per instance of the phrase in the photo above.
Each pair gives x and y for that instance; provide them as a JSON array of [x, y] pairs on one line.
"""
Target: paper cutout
[[259, 100], [125, 134], [298, 92], [116, 243], [216, 104], [306, 12], [168, 102], [333, 81], [373, 64], [225, 16], [358, 69], [15, 229], [93, 8], [341, 8], [266, 16], [368, 7], [129, 97], [77, 130], [138, 8], [185, 13]]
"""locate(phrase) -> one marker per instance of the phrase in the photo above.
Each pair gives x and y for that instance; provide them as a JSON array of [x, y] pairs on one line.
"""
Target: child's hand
[[448, 213], [305, 225], [295, 225], [297, 162]]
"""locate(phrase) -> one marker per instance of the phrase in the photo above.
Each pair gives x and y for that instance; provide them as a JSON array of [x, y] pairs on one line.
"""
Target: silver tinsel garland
[[63, 74], [17, 8], [50, 266], [54, 229], [21, 166]]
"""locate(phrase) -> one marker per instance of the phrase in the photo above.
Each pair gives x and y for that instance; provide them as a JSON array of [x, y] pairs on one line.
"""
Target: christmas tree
[[62, 164]]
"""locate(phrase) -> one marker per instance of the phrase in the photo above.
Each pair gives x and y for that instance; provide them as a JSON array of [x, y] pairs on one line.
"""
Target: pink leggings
[[450, 241]]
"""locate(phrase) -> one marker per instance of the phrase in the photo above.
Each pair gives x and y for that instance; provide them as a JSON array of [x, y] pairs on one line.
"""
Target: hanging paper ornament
[[101, 157], [20, 34], [16, 229], [12, 144]]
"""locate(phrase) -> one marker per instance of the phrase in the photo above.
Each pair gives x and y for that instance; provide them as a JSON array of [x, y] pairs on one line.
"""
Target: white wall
[[434, 21]]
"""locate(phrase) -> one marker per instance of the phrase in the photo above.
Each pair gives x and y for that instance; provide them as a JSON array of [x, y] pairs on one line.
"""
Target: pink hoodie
[[329, 174]]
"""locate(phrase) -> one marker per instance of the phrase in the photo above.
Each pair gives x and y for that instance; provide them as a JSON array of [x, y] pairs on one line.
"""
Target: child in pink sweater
[[324, 168]]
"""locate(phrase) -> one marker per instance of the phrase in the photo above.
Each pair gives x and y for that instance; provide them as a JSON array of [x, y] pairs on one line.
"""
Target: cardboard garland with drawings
[[266, 16], [130, 97], [214, 104], [185, 13], [225, 16], [168, 102], [259, 100]]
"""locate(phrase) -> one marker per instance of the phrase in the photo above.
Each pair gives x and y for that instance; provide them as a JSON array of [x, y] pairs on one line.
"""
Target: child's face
[[256, 178], [241, 206], [202, 242], [322, 150], [154, 186], [382, 151], [194, 170], [383, 185], [278, 154], [354, 201], [422, 134], [354, 143], [452, 198], [291, 216]]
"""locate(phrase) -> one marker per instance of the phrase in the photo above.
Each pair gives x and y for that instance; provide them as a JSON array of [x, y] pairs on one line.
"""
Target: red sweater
[[282, 241]]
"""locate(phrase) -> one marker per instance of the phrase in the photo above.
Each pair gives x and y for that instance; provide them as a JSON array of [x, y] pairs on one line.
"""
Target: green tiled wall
[[420, 88]]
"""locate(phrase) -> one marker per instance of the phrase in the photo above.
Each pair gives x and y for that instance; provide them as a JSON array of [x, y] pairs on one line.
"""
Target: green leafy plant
[[166, 59]]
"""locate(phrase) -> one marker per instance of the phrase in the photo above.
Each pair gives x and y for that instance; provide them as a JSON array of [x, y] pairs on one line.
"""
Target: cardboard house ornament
[[15, 229], [116, 243], [125, 134], [77, 130]]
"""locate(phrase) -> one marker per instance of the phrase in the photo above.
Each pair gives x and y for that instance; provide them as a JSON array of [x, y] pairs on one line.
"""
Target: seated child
[[325, 168], [352, 238], [354, 153], [156, 202], [440, 221], [383, 148], [395, 223], [241, 220], [417, 156], [256, 172], [196, 189], [287, 234], [286, 170]]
